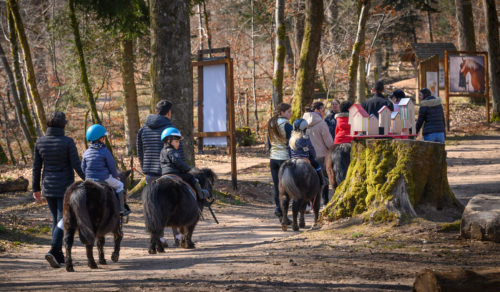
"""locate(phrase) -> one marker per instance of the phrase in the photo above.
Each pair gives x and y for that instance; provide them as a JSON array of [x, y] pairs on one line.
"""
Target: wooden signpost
[[466, 74], [206, 100]]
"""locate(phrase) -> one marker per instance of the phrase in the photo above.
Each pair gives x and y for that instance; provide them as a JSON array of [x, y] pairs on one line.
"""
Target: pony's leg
[[90, 256], [155, 243], [302, 211], [118, 239], [187, 233], [175, 232], [296, 204], [284, 202], [100, 250], [69, 237], [316, 210]]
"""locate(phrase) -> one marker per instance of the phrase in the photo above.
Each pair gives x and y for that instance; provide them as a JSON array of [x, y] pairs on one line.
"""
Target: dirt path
[[248, 250]]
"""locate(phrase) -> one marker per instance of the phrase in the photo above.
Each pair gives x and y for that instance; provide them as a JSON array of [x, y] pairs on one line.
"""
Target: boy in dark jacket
[[172, 160], [377, 101], [99, 165], [301, 146], [431, 117]]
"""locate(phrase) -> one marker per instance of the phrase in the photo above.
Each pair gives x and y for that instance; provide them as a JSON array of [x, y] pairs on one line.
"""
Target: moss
[[449, 227]]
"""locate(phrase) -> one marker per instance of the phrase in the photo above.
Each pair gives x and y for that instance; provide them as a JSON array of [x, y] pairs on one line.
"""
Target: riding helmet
[[95, 132], [300, 125], [171, 132]]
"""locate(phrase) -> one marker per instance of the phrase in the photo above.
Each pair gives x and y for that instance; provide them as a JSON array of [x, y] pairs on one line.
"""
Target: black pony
[[94, 209], [337, 163], [169, 201], [298, 181]]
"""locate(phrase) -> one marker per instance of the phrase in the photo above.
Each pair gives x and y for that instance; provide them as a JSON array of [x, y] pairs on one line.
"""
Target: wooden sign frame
[[230, 133], [485, 94]]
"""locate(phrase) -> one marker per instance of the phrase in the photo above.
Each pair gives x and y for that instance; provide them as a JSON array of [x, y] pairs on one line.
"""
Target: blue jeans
[[56, 208], [434, 137], [275, 167]]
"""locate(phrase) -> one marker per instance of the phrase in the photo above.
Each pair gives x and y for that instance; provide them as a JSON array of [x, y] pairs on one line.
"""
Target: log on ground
[[17, 185]]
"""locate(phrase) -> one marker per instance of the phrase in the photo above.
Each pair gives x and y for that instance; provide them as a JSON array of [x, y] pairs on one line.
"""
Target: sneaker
[[59, 257], [52, 260]]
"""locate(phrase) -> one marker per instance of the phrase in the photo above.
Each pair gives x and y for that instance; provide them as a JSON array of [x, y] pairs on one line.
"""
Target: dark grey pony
[[299, 182], [94, 209], [337, 163], [168, 201]]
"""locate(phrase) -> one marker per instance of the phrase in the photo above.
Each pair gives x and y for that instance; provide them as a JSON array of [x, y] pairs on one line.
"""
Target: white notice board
[[214, 103]]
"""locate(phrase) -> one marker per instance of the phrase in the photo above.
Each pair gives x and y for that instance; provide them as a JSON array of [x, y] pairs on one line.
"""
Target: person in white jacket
[[320, 137]]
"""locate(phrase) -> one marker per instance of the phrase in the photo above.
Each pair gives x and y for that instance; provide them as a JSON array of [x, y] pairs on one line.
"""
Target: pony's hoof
[[187, 245], [69, 268], [295, 227], [315, 226], [160, 249], [152, 251], [102, 262], [302, 224], [93, 265], [115, 256], [283, 227]]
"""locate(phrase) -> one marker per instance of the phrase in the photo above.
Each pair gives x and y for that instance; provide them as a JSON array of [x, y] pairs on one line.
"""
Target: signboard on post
[[466, 74], [216, 125]]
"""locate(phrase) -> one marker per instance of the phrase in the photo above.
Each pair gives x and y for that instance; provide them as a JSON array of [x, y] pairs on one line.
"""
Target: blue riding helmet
[[171, 132], [300, 125], [95, 132]]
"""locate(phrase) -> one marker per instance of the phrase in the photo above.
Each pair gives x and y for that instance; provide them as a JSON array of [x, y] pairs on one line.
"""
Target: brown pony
[[476, 71]]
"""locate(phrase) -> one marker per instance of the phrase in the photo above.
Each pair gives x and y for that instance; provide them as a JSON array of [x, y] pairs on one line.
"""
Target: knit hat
[[425, 92], [163, 107]]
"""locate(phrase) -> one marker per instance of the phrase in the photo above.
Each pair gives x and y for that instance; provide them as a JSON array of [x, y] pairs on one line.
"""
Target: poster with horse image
[[467, 74]]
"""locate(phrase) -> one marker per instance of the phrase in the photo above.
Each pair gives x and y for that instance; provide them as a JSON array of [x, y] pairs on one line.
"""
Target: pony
[[299, 182], [94, 209], [337, 163], [476, 72], [169, 201]]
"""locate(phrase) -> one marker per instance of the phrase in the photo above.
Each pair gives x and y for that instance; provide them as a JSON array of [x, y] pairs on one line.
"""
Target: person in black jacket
[[58, 156], [173, 162], [149, 144], [431, 117], [330, 118], [375, 103]]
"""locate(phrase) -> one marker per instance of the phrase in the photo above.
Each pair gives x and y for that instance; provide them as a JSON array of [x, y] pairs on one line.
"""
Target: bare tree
[[492, 28], [465, 25], [279, 57]]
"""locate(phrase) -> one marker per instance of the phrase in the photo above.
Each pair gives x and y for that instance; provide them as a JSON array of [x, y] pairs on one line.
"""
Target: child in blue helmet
[[301, 146], [99, 165], [173, 162]]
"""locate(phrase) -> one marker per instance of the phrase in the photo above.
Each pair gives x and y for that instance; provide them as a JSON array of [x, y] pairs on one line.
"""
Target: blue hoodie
[[98, 163]]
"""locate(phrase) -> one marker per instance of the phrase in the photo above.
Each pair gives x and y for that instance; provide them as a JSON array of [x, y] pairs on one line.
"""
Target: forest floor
[[248, 250]]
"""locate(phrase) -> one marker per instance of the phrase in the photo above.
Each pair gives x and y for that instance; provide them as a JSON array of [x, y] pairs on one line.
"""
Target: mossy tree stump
[[394, 180]]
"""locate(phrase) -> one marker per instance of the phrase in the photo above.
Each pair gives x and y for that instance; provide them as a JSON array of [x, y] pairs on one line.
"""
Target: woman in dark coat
[[58, 156]]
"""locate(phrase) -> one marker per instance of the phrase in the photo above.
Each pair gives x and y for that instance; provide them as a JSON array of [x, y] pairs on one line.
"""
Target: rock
[[481, 218], [17, 185], [457, 280]]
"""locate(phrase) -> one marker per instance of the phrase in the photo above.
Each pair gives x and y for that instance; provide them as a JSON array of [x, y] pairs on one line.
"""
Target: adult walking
[[320, 137], [377, 101], [330, 119], [58, 156], [279, 131], [430, 117]]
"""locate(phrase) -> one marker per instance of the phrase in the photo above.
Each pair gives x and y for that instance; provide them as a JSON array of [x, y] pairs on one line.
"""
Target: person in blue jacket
[[99, 165], [430, 117], [301, 146]]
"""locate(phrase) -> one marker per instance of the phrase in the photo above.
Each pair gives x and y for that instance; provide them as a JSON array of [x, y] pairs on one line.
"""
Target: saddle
[[294, 159], [180, 180]]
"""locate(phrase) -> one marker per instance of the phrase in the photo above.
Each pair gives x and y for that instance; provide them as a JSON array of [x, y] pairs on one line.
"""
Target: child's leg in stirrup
[[317, 167], [118, 187]]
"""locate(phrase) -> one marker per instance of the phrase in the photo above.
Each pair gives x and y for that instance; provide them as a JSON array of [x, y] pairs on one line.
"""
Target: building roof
[[404, 101], [394, 115], [360, 109], [421, 51], [384, 108]]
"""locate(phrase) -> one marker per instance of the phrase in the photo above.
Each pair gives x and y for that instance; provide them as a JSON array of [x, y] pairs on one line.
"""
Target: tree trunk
[[304, 84], [457, 280], [17, 103], [465, 25], [358, 44], [361, 96], [81, 61], [171, 65], [395, 180], [200, 26], [493, 54], [254, 94], [3, 157], [6, 133], [279, 57], [429, 23], [207, 27], [31, 78], [299, 25], [131, 111], [290, 59]]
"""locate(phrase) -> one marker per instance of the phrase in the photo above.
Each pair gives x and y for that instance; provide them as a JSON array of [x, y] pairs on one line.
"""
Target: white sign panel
[[441, 75], [432, 82], [214, 104]]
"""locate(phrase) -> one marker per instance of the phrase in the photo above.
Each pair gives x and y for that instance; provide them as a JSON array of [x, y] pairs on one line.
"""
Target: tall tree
[[356, 49], [465, 25], [492, 31], [17, 104], [304, 84], [171, 64], [31, 78], [279, 56], [299, 24]]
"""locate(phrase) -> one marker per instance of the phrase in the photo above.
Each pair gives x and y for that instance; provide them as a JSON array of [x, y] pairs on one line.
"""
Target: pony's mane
[[472, 64]]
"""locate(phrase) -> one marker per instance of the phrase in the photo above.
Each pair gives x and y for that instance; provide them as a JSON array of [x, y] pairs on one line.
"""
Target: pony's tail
[[78, 202], [287, 180], [151, 205]]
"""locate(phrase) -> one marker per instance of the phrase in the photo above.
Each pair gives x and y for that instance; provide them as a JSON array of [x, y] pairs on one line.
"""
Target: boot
[[321, 179], [202, 193], [123, 211]]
